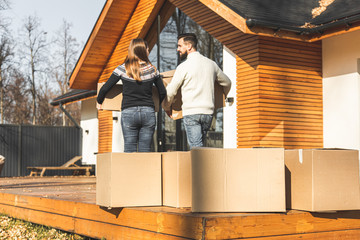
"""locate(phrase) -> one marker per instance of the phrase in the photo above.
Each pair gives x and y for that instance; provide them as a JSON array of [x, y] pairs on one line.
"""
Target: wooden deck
[[68, 203]]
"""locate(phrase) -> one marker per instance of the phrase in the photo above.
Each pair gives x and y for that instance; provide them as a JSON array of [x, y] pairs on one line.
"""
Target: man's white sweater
[[196, 76]]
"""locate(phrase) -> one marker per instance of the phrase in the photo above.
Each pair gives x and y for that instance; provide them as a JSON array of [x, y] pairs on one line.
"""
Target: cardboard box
[[176, 179], [113, 98], [238, 180], [177, 102], [322, 179], [128, 179], [176, 105]]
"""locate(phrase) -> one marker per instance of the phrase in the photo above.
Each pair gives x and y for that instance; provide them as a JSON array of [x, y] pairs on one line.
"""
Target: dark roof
[[294, 15], [73, 95]]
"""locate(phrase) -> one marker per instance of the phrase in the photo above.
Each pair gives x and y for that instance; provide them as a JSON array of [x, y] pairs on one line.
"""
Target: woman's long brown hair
[[137, 51]]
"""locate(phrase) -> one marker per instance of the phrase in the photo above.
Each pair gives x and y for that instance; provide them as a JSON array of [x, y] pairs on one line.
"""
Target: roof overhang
[[73, 96], [106, 46], [273, 29]]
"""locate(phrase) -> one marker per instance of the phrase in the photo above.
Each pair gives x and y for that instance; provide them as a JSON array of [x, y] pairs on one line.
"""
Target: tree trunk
[[33, 106], [33, 90], [1, 99]]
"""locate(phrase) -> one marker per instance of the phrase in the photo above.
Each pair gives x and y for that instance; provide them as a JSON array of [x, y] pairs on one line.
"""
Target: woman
[[137, 109]]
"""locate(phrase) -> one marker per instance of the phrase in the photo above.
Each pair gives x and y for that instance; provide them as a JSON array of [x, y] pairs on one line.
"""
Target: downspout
[[76, 124], [69, 116]]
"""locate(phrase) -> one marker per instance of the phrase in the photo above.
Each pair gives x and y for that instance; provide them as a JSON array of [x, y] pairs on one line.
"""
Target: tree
[[64, 59], [4, 4], [47, 114], [17, 99], [5, 53], [33, 54], [5, 56]]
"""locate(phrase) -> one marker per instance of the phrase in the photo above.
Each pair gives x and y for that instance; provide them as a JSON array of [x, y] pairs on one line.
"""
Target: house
[[294, 66]]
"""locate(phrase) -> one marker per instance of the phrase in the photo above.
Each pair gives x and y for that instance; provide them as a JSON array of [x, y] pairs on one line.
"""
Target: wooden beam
[[171, 223], [347, 234], [150, 223]]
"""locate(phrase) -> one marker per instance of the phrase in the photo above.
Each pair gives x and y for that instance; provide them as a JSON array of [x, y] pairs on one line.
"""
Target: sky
[[82, 14]]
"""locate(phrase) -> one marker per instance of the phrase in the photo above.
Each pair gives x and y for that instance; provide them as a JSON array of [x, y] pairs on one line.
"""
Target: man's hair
[[189, 38]]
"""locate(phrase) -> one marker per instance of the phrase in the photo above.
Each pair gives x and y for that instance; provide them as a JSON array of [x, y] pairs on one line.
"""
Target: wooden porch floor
[[68, 203]]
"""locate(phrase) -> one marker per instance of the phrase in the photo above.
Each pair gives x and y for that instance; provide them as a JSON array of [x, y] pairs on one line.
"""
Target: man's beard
[[183, 56]]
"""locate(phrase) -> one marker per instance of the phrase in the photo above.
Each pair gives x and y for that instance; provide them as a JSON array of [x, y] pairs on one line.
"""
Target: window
[[173, 136]]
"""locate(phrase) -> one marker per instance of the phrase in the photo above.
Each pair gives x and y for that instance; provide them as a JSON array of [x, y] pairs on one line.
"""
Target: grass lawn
[[11, 228]]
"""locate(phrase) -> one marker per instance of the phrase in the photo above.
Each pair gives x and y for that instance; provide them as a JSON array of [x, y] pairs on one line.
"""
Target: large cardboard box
[[322, 179], [128, 179], [176, 179], [177, 102], [113, 98], [238, 180]]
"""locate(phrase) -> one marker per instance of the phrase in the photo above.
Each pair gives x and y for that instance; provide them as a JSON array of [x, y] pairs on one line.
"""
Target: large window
[[173, 136]]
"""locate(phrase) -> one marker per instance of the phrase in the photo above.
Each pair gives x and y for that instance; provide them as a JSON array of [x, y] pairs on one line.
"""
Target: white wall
[[89, 125], [229, 124], [117, 137], [341, 91]]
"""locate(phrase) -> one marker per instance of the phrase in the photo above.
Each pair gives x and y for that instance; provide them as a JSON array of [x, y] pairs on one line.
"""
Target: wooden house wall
[[279, 94], [290, 85], [279, 84]]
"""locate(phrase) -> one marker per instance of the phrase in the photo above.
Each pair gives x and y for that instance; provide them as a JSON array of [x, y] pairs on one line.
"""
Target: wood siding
[[290, 101], [105, 121], [278, 85], [279, 93], [247, 90]]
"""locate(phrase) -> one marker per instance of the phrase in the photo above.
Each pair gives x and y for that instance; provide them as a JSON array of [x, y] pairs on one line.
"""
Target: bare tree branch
[[6, 53], [64, 58], [35, 45]]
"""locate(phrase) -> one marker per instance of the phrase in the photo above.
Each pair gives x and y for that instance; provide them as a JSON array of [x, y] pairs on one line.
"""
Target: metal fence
[[24, 146]]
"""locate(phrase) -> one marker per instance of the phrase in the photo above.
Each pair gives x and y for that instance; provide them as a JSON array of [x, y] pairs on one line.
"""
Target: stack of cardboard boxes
[[231, 180]]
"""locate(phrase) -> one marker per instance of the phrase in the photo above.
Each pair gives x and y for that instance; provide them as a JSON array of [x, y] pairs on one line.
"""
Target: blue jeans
[[138, 126], [196, 127]]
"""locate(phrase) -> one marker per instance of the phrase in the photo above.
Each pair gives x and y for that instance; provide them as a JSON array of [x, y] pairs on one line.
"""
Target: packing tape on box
[[301, 156]]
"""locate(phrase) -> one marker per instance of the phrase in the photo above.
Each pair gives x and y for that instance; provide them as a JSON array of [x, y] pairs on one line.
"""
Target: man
[[196, 77]]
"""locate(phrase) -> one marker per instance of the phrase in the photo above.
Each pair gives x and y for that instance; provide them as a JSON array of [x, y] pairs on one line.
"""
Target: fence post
[[19, 150]]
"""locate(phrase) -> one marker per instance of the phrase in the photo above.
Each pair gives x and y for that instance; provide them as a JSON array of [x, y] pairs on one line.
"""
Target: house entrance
[[170, 134]]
